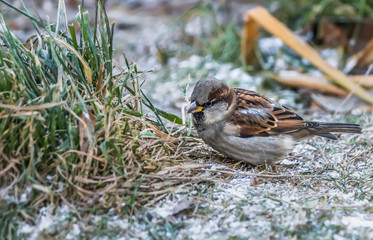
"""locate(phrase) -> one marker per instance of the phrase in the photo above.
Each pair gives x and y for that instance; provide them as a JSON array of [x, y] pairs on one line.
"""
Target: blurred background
[[181, 41]]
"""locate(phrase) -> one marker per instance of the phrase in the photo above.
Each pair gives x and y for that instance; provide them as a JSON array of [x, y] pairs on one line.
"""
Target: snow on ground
[[337, 204]]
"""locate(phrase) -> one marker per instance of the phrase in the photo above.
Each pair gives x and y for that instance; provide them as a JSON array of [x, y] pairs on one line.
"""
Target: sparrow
[[247, 126]]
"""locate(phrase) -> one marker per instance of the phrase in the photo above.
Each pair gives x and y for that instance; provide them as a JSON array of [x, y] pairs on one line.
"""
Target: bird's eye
[[208, 104]]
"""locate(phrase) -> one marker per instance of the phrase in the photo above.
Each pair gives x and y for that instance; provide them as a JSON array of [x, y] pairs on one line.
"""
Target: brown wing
[[257, 115]]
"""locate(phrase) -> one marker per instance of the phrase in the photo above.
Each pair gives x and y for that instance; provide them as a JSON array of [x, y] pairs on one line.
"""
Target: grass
[[72, 130]]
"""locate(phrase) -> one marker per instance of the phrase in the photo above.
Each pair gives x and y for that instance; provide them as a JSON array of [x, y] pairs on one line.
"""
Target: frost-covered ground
[[323, 190]]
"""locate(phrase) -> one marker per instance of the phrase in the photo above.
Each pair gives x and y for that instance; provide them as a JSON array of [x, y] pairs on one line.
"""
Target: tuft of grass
[[71, 129]]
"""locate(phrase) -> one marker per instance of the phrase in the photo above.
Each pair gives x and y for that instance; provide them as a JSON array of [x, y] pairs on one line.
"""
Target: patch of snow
[[23, 198], [193, 62], [358, 221], [332, 56], [26, 228], [165, 209], [270, 45], [288, 162], [47, 221], [74, 233]]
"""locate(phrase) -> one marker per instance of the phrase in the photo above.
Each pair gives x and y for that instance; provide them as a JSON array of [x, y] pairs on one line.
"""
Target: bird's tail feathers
[[326, 129]]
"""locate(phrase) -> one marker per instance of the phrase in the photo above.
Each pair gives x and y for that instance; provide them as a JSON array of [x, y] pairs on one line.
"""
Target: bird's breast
[[253, 150]]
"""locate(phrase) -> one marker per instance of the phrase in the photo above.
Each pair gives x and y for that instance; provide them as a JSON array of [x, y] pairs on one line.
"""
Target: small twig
[[178, 178], [155, 200], [33, 107], [261, 175], [203, 200], [167, 190]]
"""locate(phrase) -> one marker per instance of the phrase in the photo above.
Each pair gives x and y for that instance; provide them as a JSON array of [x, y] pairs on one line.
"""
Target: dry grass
[[71, 130]]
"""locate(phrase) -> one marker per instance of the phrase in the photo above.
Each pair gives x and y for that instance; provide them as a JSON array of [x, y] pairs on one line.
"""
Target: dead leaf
[[85, 180], [249, 43], [85, 133], [41, 188], [262, 17], [255, 181], [182, 167], [184, 204], [361, 59], [204, 200], [32, 108], [294, 79], [363, 80], [164, 136]]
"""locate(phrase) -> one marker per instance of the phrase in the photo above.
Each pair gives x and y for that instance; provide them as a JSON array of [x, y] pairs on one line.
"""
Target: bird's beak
[[194, 108]]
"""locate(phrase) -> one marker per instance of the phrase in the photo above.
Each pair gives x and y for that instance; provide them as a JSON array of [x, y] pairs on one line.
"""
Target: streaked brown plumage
[[247, 126]]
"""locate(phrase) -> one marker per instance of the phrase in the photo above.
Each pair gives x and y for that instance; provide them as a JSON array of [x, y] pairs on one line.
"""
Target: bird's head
[[211, 101]]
